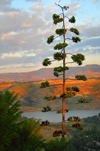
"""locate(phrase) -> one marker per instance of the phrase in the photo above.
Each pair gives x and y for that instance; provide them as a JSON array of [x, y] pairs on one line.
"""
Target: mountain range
[[90, 71]]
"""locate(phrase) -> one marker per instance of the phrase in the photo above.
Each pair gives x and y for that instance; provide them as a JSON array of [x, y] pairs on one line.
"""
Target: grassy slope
[[32, 96]]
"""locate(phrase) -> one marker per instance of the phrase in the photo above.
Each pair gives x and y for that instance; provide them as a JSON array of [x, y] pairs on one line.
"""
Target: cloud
[[90, 39], [44, 12], [23, 37], [5, 6], [15, 21], [73, 8], [5, 36], [27, 65], [88, 30], [4, 3], [26, 25], [89, 45], [37, 8], [20, 54]]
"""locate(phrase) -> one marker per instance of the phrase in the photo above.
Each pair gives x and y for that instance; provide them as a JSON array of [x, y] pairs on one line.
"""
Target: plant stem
[[63, 100]]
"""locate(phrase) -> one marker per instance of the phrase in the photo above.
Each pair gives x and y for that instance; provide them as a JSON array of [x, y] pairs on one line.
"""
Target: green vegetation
[[60, 111], [45, 109], [74, 30], [44, 84], [58, 56], [81, 77], [50, 97], [83, 100], [89, 137], [77, 125], [19, 133], [46, 62], [74, 118], [68, 94], [16, 135], [86, 139], [72, 19], [75, 89], [56, 145], [45, 123]]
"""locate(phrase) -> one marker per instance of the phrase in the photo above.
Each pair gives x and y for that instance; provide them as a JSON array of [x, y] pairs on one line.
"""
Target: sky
[[25, 26]]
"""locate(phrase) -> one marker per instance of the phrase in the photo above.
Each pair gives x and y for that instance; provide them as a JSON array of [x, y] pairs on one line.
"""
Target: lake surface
[[53, 117]]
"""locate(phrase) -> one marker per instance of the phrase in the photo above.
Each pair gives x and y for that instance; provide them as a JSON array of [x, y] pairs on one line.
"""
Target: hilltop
[[90, 71]]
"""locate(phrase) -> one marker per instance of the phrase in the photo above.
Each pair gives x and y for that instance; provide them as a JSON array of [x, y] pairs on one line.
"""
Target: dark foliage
[[78, 58], [60, 31], [72, 19], [45, 109], [44, 84], [45, 123], [50, 39], [74, 30], [81, 77], [57, 133], [60, 46], [46, 62], [81, 100]]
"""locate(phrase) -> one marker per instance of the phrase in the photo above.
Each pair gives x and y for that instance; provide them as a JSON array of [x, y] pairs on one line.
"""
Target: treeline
[[87, 139], [94, 119]]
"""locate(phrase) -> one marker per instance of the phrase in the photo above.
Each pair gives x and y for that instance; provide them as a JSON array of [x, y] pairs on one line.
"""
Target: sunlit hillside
[[32, 96]]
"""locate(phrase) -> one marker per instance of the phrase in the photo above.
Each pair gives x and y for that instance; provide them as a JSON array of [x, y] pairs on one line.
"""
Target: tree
[[58, 56], [17, 135], [9, 113], [29, 137], [56, 145]]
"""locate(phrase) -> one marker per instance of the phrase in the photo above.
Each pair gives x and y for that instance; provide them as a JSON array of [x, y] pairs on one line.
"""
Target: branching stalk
[[69, 62], [63, 100], [68, 38]]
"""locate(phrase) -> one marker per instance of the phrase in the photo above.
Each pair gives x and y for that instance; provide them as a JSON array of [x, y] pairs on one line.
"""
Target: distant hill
[[47, 73]]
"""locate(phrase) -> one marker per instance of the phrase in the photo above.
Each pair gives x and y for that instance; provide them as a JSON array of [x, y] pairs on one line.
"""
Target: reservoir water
[[53, 117]]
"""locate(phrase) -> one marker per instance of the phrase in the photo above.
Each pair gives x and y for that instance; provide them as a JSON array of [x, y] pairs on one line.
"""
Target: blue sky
[[25, 26]]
